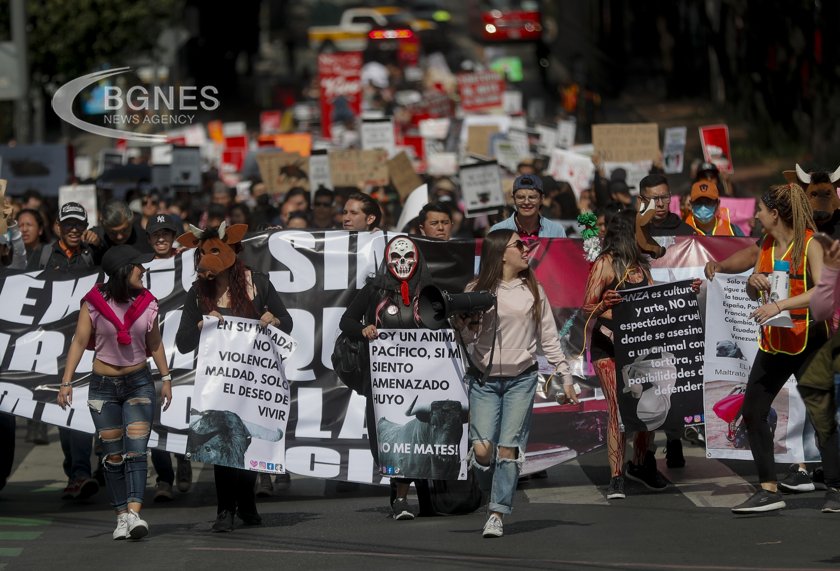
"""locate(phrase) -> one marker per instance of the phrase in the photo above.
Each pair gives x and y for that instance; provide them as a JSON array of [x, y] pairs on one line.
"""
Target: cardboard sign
[[379, 134], [340, 87], [402, 174], [629, 142], [481, 188], [359, 168], [319, 171], [478, 139], [84, 194], [481, 90], [282, 171], [673, 150], [715, 142], [185, 169], [573, 168]]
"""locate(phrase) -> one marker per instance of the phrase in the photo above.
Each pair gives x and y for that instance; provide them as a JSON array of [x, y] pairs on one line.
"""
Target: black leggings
[[769, 373], [235, 490]]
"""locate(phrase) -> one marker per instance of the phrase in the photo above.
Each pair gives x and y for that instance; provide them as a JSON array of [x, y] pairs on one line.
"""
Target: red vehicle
[[505, 20]]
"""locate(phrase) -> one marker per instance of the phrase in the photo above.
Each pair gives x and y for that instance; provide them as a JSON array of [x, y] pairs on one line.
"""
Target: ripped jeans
[[122, 410], [500, 413]]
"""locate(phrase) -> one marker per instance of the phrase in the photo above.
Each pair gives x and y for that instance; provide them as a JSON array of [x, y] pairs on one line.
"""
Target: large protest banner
[[731, 346], [420, 403], [316, 274], [659, 357], [241, 401]]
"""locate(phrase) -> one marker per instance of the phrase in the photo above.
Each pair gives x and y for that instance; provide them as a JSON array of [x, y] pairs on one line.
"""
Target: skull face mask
[[401, 254]]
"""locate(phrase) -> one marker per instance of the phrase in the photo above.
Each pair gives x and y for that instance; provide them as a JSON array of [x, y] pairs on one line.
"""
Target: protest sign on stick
[[402, 175], [420, 403], [353, 167], [241, 402], [714, 139]]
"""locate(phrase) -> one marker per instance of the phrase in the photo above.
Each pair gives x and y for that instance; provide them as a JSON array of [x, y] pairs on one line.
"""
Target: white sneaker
[[121, 531], [493, 527], [137, 528]]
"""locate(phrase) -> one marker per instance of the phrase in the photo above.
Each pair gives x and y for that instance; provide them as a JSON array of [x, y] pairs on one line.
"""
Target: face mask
[[703, 213]]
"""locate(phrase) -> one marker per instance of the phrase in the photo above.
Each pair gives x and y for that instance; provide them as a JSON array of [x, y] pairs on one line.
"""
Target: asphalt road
[[562, 522]]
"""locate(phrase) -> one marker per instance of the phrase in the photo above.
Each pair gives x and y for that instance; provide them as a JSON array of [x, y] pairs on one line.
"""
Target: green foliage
[[68, 38]]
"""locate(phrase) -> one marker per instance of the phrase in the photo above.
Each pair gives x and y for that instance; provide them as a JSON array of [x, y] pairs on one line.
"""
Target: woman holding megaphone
[[502, 379]]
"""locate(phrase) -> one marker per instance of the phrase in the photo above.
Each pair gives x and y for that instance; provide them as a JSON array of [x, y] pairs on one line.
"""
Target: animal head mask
[[215, 247], [820, 188]]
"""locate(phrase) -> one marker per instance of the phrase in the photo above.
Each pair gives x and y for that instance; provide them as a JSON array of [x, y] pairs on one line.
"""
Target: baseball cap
[[528, 181], [704, 189], [118, 256], [162, 222], [72, 211]]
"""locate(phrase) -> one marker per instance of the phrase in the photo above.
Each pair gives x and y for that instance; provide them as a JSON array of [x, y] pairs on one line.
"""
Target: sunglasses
[[519, 244]]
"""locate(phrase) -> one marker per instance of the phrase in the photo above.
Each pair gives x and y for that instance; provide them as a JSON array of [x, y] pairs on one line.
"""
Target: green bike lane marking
[[19, 535]]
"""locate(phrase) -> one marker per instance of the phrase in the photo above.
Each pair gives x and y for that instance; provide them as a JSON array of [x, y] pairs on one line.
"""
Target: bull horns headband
[[806, 178], [204, 234]]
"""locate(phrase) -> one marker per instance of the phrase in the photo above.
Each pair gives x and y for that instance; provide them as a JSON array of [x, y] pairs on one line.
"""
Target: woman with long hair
[[786, 216], [227, 287], [34, 231], [119, 319], [620, 265], [502, 378]]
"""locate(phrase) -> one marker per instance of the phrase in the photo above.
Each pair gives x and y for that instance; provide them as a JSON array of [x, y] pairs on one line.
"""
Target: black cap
[[162, 222], [618, 174], [118, 256], [72, 211], [528, 181], [707, 167]]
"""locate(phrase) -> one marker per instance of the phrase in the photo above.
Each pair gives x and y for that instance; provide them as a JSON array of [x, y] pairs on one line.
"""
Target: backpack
[[351, 362], [455, 497]]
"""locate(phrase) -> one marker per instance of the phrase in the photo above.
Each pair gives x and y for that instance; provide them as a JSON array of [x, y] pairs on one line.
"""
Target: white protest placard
[[84, 194], [519, 139], [730, 347], [162, 154], [185, 168], [420, 402], [481, 188], [442, 164], [241, 400], [83, 167], [234, 129], [573, 168], [548, 139], [566, 130], [379, 134], [673, 150], [434, 128], [512, 102], [506, 153], [319, 171]]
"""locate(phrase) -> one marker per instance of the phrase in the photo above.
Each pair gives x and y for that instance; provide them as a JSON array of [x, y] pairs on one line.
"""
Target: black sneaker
[[615, 491], [646, 475], [761, 501], [832, 502], [223, 523], [797, 481], [674, 454], [401, 511]]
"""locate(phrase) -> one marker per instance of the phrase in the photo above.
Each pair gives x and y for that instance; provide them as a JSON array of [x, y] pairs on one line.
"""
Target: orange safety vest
[[790, 341], [723, 223]]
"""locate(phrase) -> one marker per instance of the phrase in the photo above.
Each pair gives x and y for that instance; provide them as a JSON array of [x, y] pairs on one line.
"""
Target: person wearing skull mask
[[227, 287], [390, 301]]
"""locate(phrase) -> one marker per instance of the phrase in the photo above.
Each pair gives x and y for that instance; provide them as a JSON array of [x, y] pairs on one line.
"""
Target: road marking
[[23, 521], [708, 483], [19, 535], [10, 551]]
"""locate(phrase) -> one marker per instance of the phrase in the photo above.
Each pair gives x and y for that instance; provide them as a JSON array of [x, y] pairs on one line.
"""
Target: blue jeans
[[500, 414], [117, 403]]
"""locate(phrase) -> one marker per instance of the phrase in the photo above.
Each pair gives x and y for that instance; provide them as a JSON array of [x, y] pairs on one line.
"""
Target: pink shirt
[[826, 297], [108, 350]]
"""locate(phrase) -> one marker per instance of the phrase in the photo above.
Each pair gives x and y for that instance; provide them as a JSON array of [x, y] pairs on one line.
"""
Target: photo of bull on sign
[[227, 287]]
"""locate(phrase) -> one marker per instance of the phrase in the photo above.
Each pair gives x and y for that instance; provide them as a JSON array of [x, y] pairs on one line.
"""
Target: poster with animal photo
[[283, 171], [241, 401], [420, 403], [481, 187], [731, 346]]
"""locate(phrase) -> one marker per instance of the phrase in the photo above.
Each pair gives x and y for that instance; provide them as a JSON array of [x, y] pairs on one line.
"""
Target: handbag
[[351, 362]]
